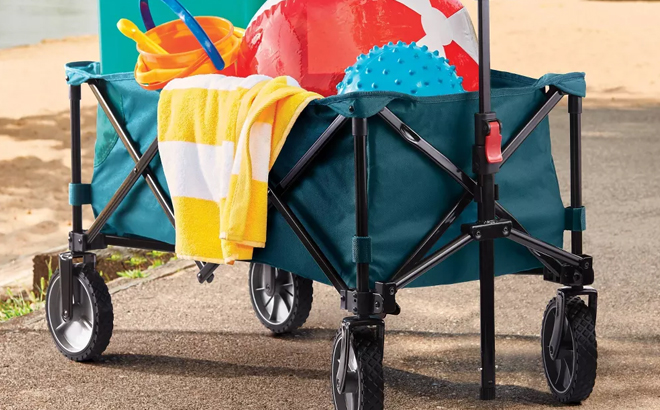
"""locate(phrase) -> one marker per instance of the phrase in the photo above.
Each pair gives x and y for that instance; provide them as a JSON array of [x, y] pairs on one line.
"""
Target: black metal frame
[[82, 241], [569, 268], [572, 269], [494, 222]]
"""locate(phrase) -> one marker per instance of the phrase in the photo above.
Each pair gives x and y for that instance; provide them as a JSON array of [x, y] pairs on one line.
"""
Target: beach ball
[[403, 68], [313, 41]]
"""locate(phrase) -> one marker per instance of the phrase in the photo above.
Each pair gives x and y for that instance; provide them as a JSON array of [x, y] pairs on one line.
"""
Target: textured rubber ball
[[431, 74]]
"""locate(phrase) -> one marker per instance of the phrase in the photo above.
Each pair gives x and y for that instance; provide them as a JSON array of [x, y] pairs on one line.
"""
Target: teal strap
[[80, 194], [575, 219], [362, 249]]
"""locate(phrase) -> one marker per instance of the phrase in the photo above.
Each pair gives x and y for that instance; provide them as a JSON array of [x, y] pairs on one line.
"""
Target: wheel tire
[[367, 352], [292, 293], [578, 364], [94, 301]]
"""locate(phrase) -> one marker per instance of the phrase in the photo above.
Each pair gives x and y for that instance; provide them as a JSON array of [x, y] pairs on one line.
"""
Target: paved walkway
[[181, 345]]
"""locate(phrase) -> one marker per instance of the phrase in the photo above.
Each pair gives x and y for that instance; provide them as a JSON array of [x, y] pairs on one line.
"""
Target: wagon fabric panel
[[408, 194]]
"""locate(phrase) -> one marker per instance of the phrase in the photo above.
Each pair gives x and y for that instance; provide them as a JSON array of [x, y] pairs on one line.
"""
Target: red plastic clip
[[494, 143]]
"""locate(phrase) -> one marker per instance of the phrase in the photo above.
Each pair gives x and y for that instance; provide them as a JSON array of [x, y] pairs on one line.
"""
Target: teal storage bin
[[118, 54]]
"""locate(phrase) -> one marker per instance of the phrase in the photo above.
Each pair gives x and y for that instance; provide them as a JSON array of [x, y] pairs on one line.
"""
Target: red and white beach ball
[[314, 41]]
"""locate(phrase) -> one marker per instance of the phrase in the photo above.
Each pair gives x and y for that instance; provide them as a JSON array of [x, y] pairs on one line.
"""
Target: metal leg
[[361, 202], [76, 167], [486, 207], [65, 261], [575, 113], [486, 212]]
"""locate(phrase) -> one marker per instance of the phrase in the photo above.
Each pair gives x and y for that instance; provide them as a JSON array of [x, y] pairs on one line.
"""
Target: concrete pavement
[[180, 345]]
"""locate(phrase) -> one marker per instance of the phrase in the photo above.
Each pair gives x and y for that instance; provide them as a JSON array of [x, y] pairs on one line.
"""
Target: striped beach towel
[[218, 138]]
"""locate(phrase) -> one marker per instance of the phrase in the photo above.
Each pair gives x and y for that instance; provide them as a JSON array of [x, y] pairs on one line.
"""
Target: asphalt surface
[[181, 345]]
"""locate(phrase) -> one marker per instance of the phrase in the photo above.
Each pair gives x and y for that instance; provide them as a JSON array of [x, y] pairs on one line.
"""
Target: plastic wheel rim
[[346, 401], [75, 334], [275, 309], [560, 371]]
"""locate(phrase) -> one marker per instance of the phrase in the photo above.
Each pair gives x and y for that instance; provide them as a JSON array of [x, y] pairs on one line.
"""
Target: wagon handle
[[192, 25]]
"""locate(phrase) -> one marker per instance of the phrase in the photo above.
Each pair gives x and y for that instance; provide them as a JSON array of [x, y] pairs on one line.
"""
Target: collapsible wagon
[[373, 192]]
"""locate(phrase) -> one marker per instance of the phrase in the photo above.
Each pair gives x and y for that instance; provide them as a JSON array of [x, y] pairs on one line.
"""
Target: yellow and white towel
[[218, 139]]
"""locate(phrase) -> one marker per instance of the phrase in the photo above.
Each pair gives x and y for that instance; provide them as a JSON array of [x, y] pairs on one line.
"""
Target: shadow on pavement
[[410, 383], [190, 367], [408, 374]]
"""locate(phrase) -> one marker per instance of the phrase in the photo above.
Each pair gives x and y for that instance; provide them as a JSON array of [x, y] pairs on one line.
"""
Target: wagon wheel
[[572, 374], [282, 300], [364, 379], [87, 333]]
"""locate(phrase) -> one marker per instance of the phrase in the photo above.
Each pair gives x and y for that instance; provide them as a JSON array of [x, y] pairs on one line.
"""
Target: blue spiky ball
[[404, 68]]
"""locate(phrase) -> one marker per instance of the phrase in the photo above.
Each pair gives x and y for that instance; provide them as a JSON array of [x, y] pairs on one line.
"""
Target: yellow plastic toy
[[130, 30], [182, 48]]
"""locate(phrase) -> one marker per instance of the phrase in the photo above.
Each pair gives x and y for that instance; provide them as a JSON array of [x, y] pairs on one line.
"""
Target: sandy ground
[[181, 345], [615, 42], [35, 154]]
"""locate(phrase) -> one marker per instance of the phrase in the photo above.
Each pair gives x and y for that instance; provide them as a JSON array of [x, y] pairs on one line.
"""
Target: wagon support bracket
[[67, 267], [489, 230], [80, 242], [379, 302]]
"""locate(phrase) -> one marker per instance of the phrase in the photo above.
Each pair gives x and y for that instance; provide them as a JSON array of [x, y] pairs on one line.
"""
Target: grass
[[137, 261], [25, 302], [155, 263], [132, 274], [116, 257], [153, 260]]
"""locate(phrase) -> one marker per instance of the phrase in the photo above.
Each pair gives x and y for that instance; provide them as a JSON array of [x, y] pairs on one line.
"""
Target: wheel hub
[[559, 369], [349, 399], [73, 331], [273, 293]]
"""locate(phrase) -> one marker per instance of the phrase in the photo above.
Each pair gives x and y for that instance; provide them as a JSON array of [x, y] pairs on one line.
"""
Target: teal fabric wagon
[[372, 192], [408, 193]]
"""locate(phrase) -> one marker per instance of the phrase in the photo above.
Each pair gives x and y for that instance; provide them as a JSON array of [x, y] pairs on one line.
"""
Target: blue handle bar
[[192, 24]]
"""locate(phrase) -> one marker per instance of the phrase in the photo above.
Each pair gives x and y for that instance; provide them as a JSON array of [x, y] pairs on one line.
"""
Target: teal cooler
[[118, 53]]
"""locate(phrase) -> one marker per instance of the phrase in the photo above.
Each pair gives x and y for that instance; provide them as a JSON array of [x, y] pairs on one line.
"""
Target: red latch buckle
[[494, 143]]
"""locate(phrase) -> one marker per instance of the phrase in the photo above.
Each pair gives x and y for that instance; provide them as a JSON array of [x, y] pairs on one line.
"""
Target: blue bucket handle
[[192, 25]]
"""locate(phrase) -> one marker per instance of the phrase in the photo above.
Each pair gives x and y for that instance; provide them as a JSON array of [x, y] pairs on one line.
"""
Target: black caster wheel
[[364, 384], [572, 374], [86, 335], [282, 300]]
